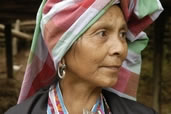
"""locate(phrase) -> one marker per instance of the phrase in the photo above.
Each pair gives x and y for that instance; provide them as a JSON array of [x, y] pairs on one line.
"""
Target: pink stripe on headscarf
[[125, 82], [44, 77], [125, 4], [49, 4], [60, 23], [136, 25]]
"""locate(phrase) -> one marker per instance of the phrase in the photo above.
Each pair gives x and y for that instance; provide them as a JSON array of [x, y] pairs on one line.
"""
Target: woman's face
[[97, 56]]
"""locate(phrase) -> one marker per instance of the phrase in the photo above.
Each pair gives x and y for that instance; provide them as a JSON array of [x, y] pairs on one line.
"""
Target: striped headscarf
[[61, 22]]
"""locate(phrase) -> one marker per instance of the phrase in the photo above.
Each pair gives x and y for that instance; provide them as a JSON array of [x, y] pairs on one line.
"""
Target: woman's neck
[[78, 95]]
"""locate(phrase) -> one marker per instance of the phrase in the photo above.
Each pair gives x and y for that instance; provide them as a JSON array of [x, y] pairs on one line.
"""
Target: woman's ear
[[63, 60]]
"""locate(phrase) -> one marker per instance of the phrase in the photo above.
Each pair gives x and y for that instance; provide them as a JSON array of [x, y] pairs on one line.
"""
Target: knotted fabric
[[61, 22]]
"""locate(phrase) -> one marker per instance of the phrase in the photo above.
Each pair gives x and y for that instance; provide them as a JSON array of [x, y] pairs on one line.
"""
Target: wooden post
[[15, 40], [157, 61], [8, 42]]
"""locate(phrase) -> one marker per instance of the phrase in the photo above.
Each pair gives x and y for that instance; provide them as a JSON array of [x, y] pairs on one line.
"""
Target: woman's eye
[[101, 33], [123, 34]]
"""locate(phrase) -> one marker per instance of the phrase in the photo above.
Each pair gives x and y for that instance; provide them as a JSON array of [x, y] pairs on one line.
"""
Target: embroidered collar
[[57, 106]]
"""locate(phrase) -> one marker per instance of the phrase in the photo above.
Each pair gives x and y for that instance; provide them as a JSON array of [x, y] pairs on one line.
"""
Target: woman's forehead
[[111, 14]]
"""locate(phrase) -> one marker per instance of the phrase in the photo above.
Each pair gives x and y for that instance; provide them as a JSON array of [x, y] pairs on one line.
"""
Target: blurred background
[[17, 22]]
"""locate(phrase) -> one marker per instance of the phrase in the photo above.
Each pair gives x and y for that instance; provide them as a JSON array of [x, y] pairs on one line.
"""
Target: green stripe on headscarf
[[145, 7], [138, 45], [36, 32]]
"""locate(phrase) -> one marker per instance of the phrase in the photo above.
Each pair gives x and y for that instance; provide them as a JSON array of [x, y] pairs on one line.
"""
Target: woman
[[84, 43]]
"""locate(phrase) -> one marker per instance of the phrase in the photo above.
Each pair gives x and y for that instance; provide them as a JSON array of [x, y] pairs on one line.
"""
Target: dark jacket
[[37, 104]]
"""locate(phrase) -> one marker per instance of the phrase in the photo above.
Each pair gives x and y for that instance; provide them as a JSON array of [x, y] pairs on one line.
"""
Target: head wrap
[[61, 22]]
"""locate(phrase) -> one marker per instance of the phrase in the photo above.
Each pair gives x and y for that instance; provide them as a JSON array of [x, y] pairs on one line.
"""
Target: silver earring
[[61, 71]]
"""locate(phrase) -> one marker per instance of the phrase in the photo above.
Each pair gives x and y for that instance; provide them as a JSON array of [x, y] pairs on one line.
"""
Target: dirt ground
[[9, 88]]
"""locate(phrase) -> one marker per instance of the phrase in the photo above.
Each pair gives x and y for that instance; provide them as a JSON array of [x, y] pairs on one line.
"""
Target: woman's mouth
[[113, 68]]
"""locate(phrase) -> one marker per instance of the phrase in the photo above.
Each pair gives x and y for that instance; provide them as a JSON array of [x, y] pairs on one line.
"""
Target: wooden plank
[[28, 23], [21, 35], [17, 33], [15, 40], [8, 42]]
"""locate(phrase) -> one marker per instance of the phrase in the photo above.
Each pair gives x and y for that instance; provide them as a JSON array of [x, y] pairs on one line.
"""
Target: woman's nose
[[118, 47]]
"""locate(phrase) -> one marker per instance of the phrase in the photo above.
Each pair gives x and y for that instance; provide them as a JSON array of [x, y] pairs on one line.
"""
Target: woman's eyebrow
[[101, 25], [108, 26]]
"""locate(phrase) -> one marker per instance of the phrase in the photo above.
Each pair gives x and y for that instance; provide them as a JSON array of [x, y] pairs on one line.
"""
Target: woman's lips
[[114, 68]]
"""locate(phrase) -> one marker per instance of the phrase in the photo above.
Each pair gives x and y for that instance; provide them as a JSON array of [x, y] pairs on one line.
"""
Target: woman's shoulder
[[36, 104], [119, 105]]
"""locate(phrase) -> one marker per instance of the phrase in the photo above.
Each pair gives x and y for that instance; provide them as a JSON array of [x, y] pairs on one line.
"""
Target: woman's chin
[[108, 82]]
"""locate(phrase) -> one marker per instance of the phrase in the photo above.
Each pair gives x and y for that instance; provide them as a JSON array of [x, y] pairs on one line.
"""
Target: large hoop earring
[[61, 71]]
